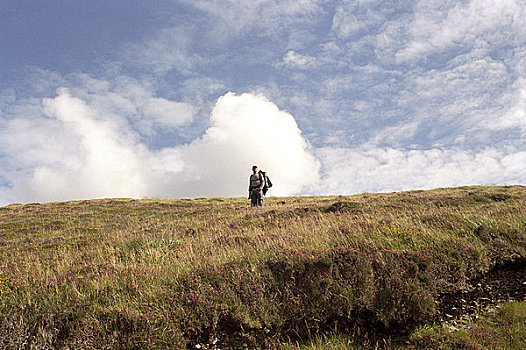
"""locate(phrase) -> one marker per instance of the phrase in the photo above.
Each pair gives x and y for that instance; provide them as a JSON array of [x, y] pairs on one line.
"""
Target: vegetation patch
[[342, 207], [216, 273]]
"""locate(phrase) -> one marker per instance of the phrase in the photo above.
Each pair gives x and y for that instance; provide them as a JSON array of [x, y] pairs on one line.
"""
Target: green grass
[[504, 329], [122, 273]]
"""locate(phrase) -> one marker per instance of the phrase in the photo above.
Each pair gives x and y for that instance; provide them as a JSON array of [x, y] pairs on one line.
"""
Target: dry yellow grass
[[80, 264]]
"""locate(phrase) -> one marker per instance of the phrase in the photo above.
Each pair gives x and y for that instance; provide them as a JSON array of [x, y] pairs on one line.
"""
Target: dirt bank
[[506, 281]]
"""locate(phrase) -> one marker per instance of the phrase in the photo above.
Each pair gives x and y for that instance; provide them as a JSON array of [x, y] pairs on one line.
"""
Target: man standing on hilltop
[[255, 187]]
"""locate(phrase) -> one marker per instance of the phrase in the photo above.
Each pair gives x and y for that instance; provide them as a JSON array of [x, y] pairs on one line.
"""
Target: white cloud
[[107, 160], [352, 19], [168, 113], [295, 60], [270, 16], [338, 83], [394, 134], [374, 169], [473, 24], [74, 150], [126, 100], [169, 49], [246, 129], [460, 98], [459, 89], [514, 116], [67, 149], [226, 29]]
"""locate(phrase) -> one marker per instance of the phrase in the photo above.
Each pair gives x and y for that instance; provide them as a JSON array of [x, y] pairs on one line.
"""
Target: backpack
[[266, 180]]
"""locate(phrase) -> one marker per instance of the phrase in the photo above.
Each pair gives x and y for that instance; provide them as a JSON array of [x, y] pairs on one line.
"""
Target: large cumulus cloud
[[74, 149], [247, 129]]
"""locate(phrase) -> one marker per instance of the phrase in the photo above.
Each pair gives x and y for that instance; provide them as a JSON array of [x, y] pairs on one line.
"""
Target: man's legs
[[259, 197], [256, 198], [253, 198]]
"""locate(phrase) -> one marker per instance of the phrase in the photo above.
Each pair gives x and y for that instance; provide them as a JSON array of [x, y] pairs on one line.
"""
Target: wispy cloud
[[296, 60], [513, 115], [437, 27]]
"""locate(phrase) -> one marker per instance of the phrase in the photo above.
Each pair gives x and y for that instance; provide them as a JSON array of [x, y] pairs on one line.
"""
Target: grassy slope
[[158, 273]]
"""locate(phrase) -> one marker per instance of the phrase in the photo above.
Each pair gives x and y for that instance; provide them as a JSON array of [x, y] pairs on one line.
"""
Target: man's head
[[255, 169]]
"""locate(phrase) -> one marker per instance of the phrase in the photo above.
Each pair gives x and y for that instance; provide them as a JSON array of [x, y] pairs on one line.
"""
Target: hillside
[[215, 273]]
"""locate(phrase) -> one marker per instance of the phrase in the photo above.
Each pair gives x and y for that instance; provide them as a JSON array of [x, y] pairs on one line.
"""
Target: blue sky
[[178, 98]]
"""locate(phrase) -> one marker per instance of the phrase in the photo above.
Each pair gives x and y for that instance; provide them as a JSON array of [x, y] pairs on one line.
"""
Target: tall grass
[[123, 273]]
